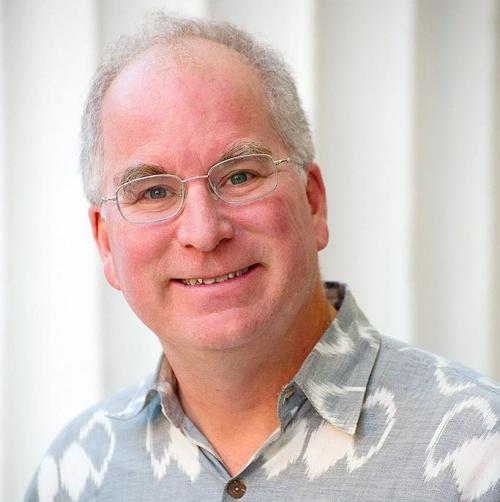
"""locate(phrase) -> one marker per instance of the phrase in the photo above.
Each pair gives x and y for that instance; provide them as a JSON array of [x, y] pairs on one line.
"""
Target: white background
[[404, 101]]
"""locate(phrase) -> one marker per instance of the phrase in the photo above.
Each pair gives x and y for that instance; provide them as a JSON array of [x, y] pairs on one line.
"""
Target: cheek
[[135, 253], [290, 226]]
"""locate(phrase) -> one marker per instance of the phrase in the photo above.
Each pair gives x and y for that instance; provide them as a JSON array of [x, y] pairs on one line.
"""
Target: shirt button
[[289, 393], [236, 488]]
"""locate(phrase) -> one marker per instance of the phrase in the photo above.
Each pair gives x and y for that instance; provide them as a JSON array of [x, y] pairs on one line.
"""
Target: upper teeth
[[211, 280]]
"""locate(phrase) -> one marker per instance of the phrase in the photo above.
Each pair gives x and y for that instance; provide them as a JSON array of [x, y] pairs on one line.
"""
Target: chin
[[222, 333]]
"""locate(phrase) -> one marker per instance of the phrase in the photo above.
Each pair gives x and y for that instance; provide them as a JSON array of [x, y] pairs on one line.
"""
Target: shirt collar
[[335, 374], [333, 377], [144, 392], [160, 384]]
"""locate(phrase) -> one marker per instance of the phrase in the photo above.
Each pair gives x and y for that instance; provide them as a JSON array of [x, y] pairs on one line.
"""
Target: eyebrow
[[245, 148], [137, 171], [236, 149]]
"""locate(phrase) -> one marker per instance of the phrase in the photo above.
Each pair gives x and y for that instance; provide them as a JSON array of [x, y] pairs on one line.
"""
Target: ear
[[100, 233], [316, 195]]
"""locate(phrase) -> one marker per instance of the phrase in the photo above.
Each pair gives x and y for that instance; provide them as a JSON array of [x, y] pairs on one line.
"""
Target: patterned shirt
[[366, 418]]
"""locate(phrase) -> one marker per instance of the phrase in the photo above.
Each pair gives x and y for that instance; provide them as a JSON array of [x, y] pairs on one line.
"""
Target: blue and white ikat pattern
[[366, 418]]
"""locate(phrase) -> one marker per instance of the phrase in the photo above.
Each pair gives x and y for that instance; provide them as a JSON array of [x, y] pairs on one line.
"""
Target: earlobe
[[101, 238], [316, 196]]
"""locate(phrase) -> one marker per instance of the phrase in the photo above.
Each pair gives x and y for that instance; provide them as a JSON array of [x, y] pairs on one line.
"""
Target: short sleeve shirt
[[366, 418]]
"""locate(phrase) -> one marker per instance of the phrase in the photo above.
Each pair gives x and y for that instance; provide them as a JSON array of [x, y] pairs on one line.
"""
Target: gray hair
[[287, 116]]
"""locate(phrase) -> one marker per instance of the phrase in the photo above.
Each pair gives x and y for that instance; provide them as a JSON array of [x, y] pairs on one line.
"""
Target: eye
[[153, 194], [158, 192], [240, 177]]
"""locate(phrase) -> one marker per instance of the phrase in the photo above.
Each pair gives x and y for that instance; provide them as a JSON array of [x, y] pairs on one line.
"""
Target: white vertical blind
[[364, 94], [3, 244], [52, 362], [401, 95], [454, 179], [495, 272]]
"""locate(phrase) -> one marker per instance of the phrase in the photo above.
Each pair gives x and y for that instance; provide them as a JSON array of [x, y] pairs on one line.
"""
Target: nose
[[202, 225]]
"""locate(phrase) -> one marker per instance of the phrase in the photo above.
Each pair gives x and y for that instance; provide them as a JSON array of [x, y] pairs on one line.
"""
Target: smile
[[212, 280]]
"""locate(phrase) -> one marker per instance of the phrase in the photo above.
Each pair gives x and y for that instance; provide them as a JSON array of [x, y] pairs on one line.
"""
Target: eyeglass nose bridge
[[214, 194]]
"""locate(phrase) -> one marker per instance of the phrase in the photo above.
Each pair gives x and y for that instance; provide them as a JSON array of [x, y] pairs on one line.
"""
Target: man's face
[[184, 120]]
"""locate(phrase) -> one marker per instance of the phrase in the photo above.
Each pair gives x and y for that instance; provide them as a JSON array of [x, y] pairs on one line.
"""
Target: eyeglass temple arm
[[281, 161]]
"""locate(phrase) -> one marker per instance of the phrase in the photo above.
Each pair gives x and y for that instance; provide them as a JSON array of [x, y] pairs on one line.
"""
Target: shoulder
[[422, 371], [449, 414], [91, 434], [123, 404]]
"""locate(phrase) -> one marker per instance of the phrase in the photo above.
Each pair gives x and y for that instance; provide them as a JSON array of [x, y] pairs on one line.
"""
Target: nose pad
[[211, 191]]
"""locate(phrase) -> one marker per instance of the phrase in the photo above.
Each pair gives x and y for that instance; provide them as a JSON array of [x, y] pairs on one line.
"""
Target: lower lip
[[219, 285]]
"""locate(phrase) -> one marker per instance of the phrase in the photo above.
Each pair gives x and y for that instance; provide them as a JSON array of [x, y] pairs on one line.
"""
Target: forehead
[[164, 69], [192, 99]]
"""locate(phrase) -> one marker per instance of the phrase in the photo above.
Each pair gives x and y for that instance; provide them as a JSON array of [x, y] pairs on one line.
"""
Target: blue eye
[[240, 177], [157, 193]]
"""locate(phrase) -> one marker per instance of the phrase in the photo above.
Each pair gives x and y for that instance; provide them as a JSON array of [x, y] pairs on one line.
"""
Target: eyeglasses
[[238, 180]]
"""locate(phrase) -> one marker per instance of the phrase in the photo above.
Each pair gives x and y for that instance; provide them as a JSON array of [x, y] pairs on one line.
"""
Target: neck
[[222, 393]]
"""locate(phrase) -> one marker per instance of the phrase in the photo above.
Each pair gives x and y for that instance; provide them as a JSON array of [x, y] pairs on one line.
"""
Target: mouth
[[205, 281]]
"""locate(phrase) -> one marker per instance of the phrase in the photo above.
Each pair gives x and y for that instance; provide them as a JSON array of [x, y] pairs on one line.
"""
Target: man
[[208, 212]]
